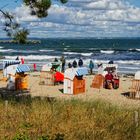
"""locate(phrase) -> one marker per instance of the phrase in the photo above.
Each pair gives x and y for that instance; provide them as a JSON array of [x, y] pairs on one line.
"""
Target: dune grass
[[67, 119]]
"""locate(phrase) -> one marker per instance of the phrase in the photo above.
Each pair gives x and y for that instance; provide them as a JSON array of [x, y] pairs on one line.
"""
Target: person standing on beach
[[62, 59], [17, 58], [91, 66], [80, 62], [74, 64], [69, 65], [22, 60], [55, 60]]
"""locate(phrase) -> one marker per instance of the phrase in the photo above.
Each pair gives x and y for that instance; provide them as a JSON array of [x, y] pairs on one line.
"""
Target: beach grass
[[75, 119]]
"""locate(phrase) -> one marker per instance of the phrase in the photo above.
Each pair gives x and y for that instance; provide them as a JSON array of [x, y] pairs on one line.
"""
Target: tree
[[40, 7], [14, 29]]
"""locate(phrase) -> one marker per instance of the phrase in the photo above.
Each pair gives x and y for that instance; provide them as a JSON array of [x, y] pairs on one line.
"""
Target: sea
[[122, 51]]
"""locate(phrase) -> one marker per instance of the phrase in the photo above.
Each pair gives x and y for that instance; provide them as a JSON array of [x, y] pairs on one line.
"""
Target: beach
[[114, 96]]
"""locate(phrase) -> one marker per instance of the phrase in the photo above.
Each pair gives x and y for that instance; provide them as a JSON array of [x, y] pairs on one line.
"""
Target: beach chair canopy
[[13, 69], [7, 63], [54, 65], [72, 72], [137, 75], [57, 66], [46, 67], [22, 68], [104, 68], [109, 66]]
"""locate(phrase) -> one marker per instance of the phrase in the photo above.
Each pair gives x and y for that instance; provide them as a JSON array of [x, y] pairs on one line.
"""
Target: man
[[63, 63]]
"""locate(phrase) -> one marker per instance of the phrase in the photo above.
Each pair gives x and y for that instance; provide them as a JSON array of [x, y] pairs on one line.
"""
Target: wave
[[107, 51], [133, 62], [6, 50], [1, 47], [67, 46], [133, 50], [70, 53], [138, 50], [34, 57], [45, 50], [86, 54], [131, 68]]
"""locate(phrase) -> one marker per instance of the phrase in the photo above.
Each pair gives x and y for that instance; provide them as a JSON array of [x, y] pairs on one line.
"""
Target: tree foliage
[[40, 7], [13, 28]]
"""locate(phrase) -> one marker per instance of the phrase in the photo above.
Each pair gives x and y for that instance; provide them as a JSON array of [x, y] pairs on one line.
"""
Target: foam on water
[[107, 51], [6, 50], [70, 53], [34, 57], [86, 54], [138, 50]]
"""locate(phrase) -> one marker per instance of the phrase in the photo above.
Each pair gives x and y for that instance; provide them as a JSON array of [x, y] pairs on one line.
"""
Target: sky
[[79, 19]]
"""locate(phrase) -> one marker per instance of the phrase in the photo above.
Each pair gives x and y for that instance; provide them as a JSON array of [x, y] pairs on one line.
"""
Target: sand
[[114, 96]]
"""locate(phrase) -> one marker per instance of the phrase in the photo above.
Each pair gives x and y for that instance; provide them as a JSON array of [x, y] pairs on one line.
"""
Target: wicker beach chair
[[135, 89], [98, 81]]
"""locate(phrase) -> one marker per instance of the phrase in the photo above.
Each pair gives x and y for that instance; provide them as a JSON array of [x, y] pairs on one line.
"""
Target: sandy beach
[[114, 96]]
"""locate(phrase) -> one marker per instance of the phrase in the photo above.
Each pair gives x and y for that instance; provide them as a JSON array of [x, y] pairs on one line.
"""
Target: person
[[80, 62], [17, 58], [111, 62], [109, 80], [55, 60], [69, 65], [34, 65], [91, 66], [74, 64], [22, 60], [63, 63]]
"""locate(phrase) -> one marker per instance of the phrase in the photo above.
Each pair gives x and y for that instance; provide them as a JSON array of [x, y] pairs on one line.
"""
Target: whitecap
[[33, 57], [6, 50], [107, 51], [70, 53], [86, 54], [138, 50]]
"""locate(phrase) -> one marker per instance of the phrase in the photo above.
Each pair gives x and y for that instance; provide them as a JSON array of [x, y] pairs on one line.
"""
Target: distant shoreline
[[28, 41]]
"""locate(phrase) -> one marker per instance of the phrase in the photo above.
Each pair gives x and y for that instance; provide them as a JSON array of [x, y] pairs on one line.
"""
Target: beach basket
[[21, 82], [74, 83], [78, 85], [75, 86], [97, 81], [135, 89], [47, 78]]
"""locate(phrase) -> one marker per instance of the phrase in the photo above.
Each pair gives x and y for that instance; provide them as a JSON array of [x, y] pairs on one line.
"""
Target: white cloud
[[23, 14]]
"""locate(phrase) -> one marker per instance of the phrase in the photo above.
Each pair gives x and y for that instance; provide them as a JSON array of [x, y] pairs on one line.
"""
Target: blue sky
[[80, 18]]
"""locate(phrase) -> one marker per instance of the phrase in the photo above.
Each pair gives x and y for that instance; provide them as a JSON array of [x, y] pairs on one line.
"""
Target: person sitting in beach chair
[[108, 81]]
